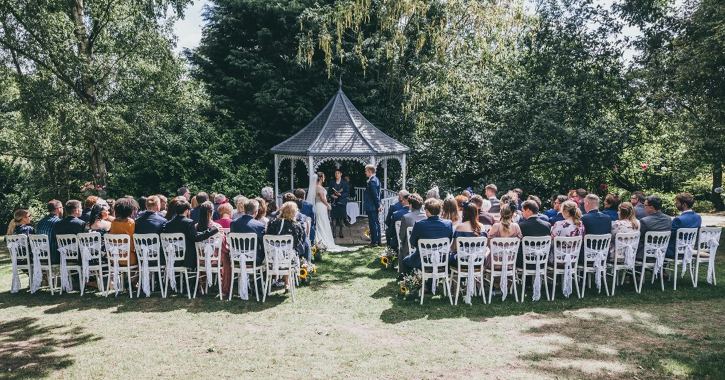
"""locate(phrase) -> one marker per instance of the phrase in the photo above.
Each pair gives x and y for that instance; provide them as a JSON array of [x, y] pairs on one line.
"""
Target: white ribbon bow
[[85, 259], [599, 256], [539, 254], [687, 259], [65, 282], [660, 256], [145, 275], [241, 256], [629, 253], [504, 276], [566, 289], [13, 248], [208, 252], [170, 260], [37, 273], [114, 252], [466, 254], [713, 242], [435, 262]]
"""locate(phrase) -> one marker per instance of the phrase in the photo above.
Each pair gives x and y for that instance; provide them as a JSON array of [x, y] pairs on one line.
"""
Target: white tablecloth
[[353, 211]]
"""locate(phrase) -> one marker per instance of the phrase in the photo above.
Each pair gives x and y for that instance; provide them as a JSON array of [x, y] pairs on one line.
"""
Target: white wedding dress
[[323, 231]]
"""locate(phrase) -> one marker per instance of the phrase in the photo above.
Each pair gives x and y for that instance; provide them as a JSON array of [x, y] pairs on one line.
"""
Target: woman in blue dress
[[339, 191], [469, 227]]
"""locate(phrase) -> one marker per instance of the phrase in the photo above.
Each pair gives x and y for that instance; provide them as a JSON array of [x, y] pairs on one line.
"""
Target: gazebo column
[[403, 167], [310, 168], [385, 174], [292, 174], [276, 177]]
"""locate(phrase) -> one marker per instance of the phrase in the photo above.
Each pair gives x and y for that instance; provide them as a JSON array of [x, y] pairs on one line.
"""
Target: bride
[[318, 197]]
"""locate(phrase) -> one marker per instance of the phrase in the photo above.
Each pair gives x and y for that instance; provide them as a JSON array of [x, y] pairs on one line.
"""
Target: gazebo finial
[[340, 88]]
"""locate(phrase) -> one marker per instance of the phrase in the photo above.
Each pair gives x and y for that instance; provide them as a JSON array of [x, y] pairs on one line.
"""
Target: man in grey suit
[[655, 220], [637, 200], [415, 202], [491, 191]]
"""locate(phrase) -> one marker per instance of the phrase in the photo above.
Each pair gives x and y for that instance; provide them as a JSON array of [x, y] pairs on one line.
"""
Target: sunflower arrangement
[[411, 284], [307, 270], [388, 257], [367, 232], [317, 250]]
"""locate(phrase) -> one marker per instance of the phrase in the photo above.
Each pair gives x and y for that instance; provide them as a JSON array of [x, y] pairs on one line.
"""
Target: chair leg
[[662, 279], [231, 286], [490, 286], [614, 278], [584, 280], [513, 285], [161, 281], [422, 288], [576, 284], [553, 286], [219, 280], [448, 285], [267, 284], [675, 276], [641, 278], [546, 285], [457, 280], [523, 285]]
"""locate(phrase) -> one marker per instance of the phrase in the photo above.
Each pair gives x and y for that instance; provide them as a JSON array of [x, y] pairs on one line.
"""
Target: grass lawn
[[349, 324]]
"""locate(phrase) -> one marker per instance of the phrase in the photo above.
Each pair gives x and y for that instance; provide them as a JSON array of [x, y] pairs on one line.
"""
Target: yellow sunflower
[[314, 270], [403, 289], [303, 272], [367, 232], [384, 260], [314, 249]]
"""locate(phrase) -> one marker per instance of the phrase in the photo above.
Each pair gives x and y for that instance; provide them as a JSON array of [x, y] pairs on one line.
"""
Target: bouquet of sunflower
[[307, 270], [318, 249], [388, 257], [411, 284]]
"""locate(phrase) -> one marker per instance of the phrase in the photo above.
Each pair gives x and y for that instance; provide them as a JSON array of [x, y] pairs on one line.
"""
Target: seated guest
[[531, 225], [171, 208], [205, 225], [248, 224], [123, 224], [239, 202], [150, 222], [450, 211], [655, 220], [538, 204], [571, 225], [415, 202], [611, 205], [505, 228], [20, 225], [595, 222], [483, 216], [519, 197], [637, 200], [626, 222], [285, 224], [200, 198], [469, 227], [551, 212], [111, 209], [70, 225], [265, 208], [87, 205], [466, 194], [141, 205], [219, 199], [581, 194], [508, 198], [183, 224], [300, 219], [491, 191], [225, 212], [98, 221], [393, 208], [46, 226], [460, 200], [392, 240], [307, 209], [560, 199], [183, 191], [433, 193], [162, 205], [687, 219], [270, 202], [431, 228]]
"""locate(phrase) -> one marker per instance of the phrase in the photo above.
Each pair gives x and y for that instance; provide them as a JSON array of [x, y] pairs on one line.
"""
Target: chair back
[[278, 251], [596, 248], [434, 253], [471, 251], [655, 243], [536, 249], [174, 246], [147, 246], [91, 244], [709, 240], [397, 230], [567, 248], [40, 246], [625, 248], [243, 247], [18, 247], [68, 246], [211, 248], [504, 251], [118, 247], [411, 249], [686, 237]]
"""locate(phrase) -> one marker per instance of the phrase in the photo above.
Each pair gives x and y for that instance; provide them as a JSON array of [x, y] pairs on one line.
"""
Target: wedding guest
[[551, 212], [460, 200], [201, 197], [339, 191], [264, 210], [611, 205], [538, 205], [181, 223], [506, 227], [655, 220], [571, 225], [560, 199], [171, 207], [581, 194], [194, 203], [124, 224], [483, 216], [467, 194], [225, 212], [450, 211], [285, 224], [141, 205], [219, 199], [98, 221], [626, 222], [415, 202], [268, 196], [519, 197], [637, 200], [150, 222], [433, 194], [531, 225], [372, 206], [394, 208], [239, 202], [205, 226], [248, 224], [469, 227], [491, 191], [308, 209], [433, 227], [162, 205], [20, 225], [595, 222], [87, 205], [184, 192], [686, 219], [509, 198], [46, 226], [111, 209], [393, 241]]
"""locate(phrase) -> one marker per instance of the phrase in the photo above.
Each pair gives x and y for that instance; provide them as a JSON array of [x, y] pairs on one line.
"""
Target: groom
[[372, 206]]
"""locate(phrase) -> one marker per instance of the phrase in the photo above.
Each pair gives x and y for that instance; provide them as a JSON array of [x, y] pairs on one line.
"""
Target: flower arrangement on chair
[[411, 284], [317, 250], [388, 257], [307, 270]]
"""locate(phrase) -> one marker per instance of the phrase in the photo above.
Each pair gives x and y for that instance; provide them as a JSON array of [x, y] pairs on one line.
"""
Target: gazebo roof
[[340, 129]]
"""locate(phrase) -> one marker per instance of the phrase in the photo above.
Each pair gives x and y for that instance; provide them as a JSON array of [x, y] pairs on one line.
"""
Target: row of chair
[[108, 258], [570, 261]]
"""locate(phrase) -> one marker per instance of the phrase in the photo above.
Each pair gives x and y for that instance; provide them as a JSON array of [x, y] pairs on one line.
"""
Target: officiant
[[339, 191]]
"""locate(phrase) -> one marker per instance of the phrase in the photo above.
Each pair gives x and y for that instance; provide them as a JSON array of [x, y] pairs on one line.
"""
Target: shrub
[[703, 206]]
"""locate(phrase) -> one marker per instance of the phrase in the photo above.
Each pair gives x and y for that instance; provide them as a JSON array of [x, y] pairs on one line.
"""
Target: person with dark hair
[[469, 227], [433, 227], [71, 225], [611, 205], [265, 209], [637, 200], [171, 207], [46, 226], [201, 197], [339, 191], [205, 225], [531, 225], [551, 212], [519, 197], [655, 220], [415, 202], [392, 238], [449, 211], [124, 224], [98, 220], [111, 209], [580, 195], [141, 204], [181, 223], [248, 224], [560, 199], [484, 217], [162, 205], [491, 191], [538, 207], [184, 192], [686, 219], [87, 205], [389, 227], [308, 209], [372, 205]]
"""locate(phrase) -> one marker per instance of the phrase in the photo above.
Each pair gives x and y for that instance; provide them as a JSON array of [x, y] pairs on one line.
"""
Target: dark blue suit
[[70, 225], [309, 210], [194, 214], [150, 222], [543, 217], [432, 228], [395, 207], [597, 223], [557, 217], [371, 202], [390, 234], [550, 213], [247, 224], [687, 219], [612, 213]]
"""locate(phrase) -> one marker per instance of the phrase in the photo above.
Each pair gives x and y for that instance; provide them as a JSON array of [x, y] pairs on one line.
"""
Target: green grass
[[350, 324]]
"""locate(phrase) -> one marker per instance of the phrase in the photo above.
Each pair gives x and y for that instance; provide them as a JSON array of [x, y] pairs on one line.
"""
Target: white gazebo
[[338, 133]]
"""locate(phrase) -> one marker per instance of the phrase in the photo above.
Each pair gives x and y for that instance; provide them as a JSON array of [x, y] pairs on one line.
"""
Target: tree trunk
[[717, 183]]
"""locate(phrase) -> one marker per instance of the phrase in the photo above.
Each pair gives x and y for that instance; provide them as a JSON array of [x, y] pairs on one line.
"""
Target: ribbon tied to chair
[[145, 275], [65, 282], [170, 250], [687, 259], [660, 259], [540, 254], [469, 255], [713, 243], [208, 253], [240, 255], [37, 272], [434, 253], [566, 289], [630, 250], [600, 257], [13, 248], [504, 275], [114, 252], [85, 262]]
